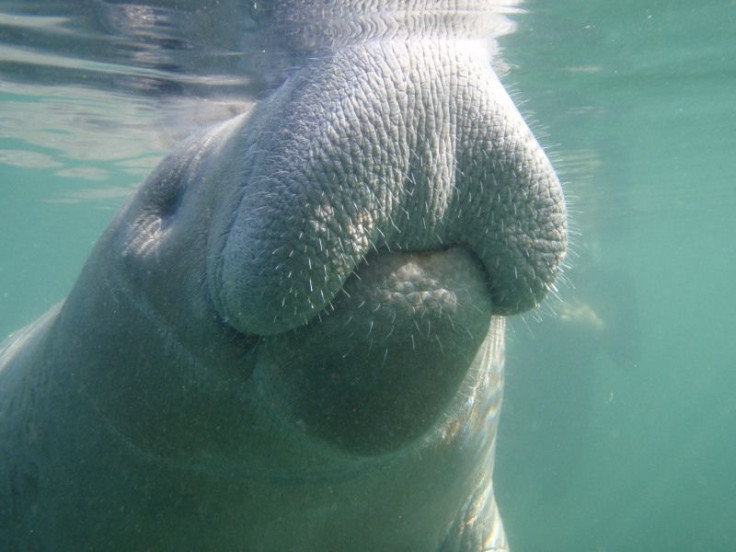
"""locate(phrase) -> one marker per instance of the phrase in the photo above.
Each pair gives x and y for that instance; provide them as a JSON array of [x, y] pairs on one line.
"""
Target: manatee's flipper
[[478, 528]]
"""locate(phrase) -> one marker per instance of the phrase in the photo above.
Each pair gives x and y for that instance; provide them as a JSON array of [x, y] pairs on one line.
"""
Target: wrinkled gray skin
[[292, 337]]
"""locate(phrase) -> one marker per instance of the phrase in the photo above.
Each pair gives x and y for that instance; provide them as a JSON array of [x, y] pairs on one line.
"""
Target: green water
[[630, 452], [619, 426]]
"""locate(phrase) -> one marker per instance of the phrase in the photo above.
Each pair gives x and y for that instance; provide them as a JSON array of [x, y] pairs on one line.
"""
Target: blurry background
[[619, 426]]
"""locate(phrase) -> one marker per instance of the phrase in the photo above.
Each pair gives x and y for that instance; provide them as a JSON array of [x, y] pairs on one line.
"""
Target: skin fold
[[292, 336]]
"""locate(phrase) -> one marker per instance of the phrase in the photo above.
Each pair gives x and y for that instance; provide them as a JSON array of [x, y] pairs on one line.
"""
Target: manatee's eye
[[160, 200], [168, 202], [163, 194]]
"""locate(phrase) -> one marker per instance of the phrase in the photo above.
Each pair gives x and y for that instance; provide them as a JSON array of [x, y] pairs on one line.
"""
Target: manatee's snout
[[375, 369], [392, 145]]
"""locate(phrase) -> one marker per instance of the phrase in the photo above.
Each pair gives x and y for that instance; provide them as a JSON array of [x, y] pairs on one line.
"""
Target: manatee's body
[[292, 337]]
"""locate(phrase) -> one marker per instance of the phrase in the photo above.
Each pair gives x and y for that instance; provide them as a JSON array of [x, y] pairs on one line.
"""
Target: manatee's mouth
[[377, 368]]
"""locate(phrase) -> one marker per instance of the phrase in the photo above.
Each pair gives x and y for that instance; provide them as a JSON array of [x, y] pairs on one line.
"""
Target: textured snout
[[385, 147]]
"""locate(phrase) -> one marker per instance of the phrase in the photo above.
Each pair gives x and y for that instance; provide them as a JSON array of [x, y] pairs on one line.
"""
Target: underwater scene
[[618, 425]]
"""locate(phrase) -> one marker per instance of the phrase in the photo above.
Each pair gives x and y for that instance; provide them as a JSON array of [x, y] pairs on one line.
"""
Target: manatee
[[292, 337]]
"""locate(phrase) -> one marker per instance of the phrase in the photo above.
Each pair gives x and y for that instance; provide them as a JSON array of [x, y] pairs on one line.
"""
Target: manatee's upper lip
[[264, 291], [430, 159]]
